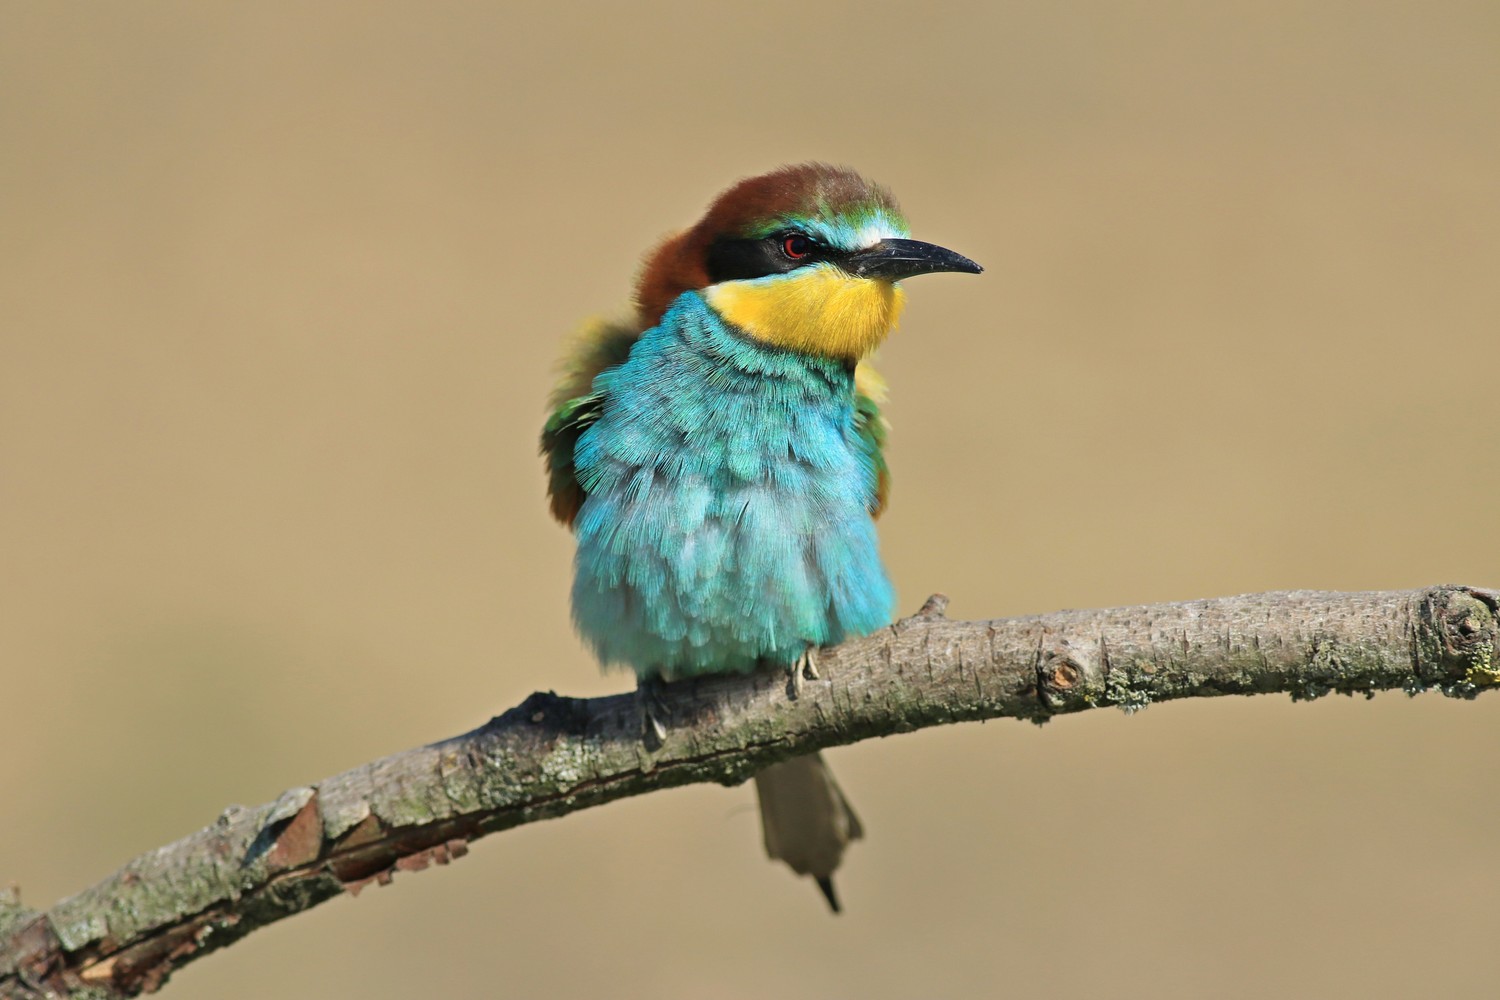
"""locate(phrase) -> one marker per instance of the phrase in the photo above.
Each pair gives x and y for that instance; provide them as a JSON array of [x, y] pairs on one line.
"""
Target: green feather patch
[[600, 346]]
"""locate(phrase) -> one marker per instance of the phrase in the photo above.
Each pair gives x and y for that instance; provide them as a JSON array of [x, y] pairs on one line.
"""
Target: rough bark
[[552, 755]]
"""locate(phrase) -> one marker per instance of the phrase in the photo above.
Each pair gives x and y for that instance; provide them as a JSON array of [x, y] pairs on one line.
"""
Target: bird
[[719, 456]]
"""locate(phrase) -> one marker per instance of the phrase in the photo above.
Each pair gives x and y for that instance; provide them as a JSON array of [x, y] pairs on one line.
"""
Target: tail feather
[[826, 884], [806, 820]]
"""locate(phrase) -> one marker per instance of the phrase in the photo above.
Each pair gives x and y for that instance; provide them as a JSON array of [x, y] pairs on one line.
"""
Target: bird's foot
[[805, 669], [648, 704]]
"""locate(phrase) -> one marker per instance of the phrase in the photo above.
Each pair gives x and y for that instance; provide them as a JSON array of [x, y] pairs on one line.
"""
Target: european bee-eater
[[719, 456]]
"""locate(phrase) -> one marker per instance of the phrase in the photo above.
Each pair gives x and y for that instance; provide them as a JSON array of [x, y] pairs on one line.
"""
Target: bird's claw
[[806, 668], [647, 701]]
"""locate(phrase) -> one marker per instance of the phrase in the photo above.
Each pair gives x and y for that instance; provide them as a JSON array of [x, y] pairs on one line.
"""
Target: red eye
[[796, 246]]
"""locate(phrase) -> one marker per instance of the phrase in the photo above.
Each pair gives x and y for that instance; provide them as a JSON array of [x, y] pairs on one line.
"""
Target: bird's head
[[805, 258]]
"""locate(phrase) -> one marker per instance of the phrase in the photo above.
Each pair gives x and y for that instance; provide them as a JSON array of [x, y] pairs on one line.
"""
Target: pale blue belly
[[726, 522]]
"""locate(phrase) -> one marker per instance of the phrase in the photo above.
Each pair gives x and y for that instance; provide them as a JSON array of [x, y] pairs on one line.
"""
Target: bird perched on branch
[[719, 457]]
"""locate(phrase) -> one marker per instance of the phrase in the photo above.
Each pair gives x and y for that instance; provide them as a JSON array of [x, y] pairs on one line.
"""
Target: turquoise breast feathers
[[728, 490]]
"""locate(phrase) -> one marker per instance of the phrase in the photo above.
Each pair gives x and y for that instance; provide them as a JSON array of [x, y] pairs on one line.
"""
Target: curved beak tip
[[963, 265], [894, 259]]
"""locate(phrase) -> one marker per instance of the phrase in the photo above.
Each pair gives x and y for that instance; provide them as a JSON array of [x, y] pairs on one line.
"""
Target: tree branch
[[552, 755]]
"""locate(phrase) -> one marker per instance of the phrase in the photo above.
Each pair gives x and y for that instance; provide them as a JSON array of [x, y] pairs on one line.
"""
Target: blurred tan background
[[280, 293]]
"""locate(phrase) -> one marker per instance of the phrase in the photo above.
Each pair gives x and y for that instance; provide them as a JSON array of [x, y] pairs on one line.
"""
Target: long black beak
[[893, 260]]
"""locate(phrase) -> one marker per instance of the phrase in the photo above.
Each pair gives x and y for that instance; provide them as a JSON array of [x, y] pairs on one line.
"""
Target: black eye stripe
[[734, 260], [739, 260]]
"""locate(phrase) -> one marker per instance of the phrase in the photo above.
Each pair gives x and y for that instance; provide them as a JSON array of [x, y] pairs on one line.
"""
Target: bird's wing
[[871, 428], [575, 405]]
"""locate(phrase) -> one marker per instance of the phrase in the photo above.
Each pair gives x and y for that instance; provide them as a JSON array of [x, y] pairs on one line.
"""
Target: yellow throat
[[815, 310]]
